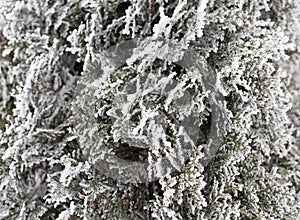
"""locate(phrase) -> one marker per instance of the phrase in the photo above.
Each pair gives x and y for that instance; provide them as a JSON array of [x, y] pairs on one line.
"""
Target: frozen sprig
[[47, 159]]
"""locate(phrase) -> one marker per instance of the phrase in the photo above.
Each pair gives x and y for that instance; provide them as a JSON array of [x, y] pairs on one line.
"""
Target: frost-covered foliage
[[51, 131]]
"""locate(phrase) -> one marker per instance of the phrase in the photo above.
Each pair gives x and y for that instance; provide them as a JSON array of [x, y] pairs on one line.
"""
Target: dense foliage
[[59, 113]]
